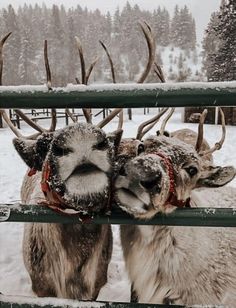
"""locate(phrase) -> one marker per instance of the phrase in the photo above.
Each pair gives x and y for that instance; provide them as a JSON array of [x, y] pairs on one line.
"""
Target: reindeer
[[174, 265], [70, 171]]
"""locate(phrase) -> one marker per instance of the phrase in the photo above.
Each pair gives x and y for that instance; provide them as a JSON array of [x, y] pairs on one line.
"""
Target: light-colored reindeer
[[71, 171], [174, 265]]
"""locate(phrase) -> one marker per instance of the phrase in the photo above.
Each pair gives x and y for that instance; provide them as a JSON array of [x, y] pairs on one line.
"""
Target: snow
[[231, 85], [14, 280]]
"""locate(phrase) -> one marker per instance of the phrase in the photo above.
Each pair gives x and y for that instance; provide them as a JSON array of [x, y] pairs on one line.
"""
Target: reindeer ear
[[115, 138], [216, 176], [33, 152], [26, 150]]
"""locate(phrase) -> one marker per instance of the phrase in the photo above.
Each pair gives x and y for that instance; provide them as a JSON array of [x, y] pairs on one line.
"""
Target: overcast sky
[[201, 9]]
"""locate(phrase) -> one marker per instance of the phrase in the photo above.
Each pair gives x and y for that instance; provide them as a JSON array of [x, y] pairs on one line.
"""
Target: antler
[[200, 131], [110, 61], [153, 121], [14, 129], [24, 116], [149, 123], [3, 40], [164, 122], [85, 76], [117, 110], [218, 145], [47, 66], [159, 72], [109, 117], [147, 31]]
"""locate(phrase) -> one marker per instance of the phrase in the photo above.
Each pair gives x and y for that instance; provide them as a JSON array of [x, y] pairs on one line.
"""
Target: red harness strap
[[55, 201], [172, 199]]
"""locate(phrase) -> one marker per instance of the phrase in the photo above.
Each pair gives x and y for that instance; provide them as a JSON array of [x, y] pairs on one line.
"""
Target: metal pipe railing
[[27, 302], [207, 217], [120, 95]]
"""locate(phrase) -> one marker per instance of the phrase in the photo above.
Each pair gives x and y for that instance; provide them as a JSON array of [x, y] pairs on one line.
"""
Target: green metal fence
[[110, 96], [126, 95]]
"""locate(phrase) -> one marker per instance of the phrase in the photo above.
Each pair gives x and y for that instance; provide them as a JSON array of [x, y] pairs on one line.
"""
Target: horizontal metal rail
[[120, 95], [28, 302], [207, 217]]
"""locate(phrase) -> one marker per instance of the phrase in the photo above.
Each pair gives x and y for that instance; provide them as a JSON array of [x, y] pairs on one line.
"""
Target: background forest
[[178, 53], [120, 32]]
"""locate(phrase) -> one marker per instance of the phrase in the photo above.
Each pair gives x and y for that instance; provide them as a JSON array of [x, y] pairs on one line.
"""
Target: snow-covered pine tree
[[225, 58], [210, 45], [11, 75], [175, 25]]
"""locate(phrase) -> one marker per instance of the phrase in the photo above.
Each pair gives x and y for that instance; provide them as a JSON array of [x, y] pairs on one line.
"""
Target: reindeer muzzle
[[54, 199]]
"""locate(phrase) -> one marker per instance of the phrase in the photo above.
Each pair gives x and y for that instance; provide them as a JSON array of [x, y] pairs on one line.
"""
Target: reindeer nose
[[150, 184]]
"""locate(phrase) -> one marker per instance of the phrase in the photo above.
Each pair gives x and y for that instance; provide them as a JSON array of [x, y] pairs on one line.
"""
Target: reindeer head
[[162, 177], [76, 161], [79, 159]]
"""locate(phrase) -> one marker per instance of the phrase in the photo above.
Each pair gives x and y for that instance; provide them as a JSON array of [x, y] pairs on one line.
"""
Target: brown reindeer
[[174, 265]]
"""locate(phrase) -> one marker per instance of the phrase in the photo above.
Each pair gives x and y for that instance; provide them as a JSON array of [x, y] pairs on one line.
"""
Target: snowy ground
[[14, 279]]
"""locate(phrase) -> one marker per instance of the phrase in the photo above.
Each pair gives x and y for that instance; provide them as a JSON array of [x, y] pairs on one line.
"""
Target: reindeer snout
[[151, 184], [147, 171]]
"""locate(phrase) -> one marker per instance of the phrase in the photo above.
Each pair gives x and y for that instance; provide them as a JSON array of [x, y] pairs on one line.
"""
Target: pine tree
[[56, 47], [225, 60], [211, 44], [13, 51], [220, 60], [175, 25]]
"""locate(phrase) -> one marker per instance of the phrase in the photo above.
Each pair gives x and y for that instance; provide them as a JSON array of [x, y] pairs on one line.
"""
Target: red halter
[[54, 200], [172, 199]]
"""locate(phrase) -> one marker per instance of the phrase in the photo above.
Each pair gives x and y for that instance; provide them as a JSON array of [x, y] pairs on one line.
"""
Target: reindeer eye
[[140, 149], [60, 151], [101, 145], [191, 171]]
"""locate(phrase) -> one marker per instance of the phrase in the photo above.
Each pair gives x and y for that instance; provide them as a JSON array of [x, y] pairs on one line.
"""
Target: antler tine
[[84, 76], [14, 129], [87, 115], [163, 125], [70, 114], [90, 69], [121, 120], [49, 85], [82, 62], [47, 66], [116, 111], [53, 121], [9, 123], [200, 131], [150, 123], [29, 121], [159, 72], [2, 42], [109, 117], [110, 61], [218, 145], [146, 29]]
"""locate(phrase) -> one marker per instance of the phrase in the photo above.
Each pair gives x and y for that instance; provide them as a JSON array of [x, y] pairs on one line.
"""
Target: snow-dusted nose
[[147, 171]]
